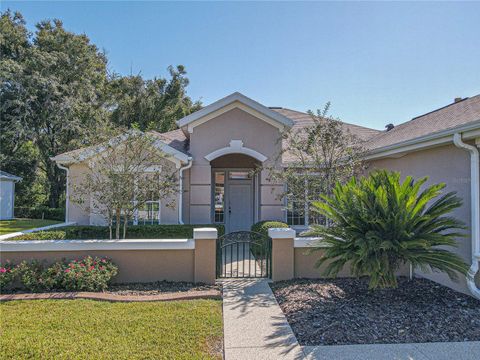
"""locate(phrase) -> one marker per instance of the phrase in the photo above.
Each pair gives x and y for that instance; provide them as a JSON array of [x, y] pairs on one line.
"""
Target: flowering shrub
[[35, 277], [7, 275], [88, 274]]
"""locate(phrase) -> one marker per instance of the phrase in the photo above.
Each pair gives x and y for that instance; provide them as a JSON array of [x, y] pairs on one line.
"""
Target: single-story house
[[215, 149], [7, 194]]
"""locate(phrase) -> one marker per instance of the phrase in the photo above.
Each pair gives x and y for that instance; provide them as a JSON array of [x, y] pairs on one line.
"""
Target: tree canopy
[[56, 90]]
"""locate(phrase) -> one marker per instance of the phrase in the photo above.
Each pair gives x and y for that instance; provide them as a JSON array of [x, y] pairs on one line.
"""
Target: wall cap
[[307, 242], [87, 245], [205, 233], [281, 233]]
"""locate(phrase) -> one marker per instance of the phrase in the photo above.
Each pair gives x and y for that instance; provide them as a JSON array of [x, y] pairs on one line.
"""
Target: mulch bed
[[157, 291], [343, 311]]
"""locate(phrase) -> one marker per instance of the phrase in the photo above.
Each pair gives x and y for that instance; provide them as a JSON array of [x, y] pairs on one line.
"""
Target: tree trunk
[[125, 221], [117, 225], [110, 223], [56, 184]]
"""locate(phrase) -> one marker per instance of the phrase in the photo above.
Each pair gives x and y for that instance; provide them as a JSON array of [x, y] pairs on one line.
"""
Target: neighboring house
[[7, 194], [216, 148]]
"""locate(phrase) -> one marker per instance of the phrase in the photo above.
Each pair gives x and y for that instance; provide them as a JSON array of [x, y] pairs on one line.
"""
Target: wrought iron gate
[[244, 254]]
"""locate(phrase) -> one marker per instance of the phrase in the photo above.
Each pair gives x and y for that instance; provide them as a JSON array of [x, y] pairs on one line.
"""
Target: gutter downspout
[[180, 198], [67, 192], [475, 210]]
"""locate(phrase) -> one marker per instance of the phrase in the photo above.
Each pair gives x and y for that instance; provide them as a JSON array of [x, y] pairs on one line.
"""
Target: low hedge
[[262, 227], [41, 212], [133, 232], [86, 274]]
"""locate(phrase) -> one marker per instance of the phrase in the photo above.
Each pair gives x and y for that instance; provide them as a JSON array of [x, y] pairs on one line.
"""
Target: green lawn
[[87, 329], [9, 226]]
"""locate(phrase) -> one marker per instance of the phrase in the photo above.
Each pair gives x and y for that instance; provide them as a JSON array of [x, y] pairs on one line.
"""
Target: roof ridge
[[344, 122]]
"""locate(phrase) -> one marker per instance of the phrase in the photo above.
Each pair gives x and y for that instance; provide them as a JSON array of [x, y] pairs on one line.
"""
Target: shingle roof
[[302, 119], [176, 139], [89, 151], [450, 116], [8, 176]]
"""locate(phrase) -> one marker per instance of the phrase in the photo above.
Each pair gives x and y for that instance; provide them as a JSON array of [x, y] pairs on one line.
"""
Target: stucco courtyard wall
[[305, 265], [134, 265], [449, 165], [138, 260]]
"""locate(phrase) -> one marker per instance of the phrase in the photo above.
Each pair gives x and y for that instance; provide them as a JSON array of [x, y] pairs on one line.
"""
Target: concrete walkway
[[422, 351], [255, 328], [254, 325]]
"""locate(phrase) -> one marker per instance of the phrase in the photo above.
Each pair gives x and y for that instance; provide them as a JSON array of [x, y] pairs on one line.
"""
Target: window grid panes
[[295, 213], [150, 213]]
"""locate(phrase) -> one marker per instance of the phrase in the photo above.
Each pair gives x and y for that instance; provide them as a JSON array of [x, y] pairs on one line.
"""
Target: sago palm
[[379, 223]]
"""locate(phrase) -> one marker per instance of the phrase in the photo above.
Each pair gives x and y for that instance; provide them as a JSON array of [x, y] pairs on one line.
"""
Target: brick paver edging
[[188, 295]]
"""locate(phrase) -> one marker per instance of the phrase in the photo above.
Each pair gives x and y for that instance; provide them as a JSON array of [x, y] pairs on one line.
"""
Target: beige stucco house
[[215, 149]]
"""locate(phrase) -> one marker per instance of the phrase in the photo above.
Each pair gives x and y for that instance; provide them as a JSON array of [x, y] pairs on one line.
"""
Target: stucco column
[[282, 253], [205, 254]]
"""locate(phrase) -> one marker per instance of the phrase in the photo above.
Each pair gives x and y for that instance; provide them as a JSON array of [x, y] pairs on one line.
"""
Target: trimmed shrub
[[133, 232], [87, 274], [42, 235], [7, 275], [41, 212], [262, 227]]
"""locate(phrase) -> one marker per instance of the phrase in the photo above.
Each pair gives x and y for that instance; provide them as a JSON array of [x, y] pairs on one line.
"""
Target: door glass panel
[[219, 197], [239, 175]]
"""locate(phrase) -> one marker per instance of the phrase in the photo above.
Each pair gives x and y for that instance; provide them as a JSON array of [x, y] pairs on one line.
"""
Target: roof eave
[[469, 131]]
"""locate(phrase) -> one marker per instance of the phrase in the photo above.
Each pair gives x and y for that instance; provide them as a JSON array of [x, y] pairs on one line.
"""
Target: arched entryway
[[235, 189]]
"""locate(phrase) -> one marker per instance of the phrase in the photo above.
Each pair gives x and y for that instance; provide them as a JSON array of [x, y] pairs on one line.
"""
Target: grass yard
[[10, 226], [86, 329]]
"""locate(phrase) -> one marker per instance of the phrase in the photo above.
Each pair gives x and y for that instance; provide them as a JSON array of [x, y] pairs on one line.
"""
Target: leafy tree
[[381, 223], [151, 104], [51, 92], [129, 172], [317, 156], [56, 95]]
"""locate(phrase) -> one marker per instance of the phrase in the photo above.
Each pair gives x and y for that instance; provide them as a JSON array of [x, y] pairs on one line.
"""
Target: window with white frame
[[299, 206], [149, 214]]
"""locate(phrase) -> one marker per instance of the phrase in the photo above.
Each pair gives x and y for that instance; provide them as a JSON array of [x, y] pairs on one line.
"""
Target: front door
[[239, 205]]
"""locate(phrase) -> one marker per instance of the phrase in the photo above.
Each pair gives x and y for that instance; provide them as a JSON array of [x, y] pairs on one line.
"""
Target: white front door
[[240, 205]]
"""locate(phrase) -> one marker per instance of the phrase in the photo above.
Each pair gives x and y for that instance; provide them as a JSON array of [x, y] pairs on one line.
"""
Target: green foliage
[[52, 93], [151, 104], [87, 274], [86, 329], [43, 235], [16, 225], [35, 277], [7, 275], [41, 212], [56, 95], [381, 223], [134, 232], [262, 227], [318, 155]]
